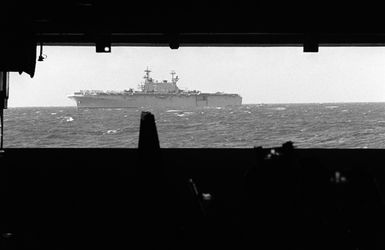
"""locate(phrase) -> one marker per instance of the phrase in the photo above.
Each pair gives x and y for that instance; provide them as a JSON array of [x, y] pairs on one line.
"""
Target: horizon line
[[261, 103]]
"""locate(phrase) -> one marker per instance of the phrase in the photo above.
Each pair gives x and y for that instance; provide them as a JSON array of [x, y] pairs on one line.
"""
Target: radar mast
[[147, 76], [174, 79]]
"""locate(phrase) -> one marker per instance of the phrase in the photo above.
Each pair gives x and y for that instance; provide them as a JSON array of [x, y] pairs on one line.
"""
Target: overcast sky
[[258, 74]]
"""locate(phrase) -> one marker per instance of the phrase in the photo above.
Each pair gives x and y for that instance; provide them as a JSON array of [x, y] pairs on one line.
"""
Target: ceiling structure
[[194, 23]]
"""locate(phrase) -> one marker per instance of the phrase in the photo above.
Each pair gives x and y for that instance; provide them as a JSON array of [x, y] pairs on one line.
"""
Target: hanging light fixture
[[310, 44], [103, 43]]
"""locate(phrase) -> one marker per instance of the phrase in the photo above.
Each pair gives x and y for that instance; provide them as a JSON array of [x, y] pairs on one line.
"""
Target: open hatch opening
[[202, 97]]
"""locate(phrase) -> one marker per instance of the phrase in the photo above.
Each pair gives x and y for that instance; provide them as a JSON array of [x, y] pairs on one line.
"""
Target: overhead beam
[[216, 39]]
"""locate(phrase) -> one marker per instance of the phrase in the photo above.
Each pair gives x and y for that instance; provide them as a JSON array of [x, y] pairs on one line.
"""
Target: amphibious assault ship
[[153, 93]]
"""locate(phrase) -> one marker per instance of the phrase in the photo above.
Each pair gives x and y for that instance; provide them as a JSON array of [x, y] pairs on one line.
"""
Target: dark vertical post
[[4, 88], [152, 189], [148, 135], [2, 128], [150, 166]]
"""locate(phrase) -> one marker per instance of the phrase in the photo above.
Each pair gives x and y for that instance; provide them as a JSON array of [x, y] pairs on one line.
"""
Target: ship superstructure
[[153, 93]]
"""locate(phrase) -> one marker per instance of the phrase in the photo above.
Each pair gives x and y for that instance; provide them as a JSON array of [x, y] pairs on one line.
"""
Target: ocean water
[[336, 125]]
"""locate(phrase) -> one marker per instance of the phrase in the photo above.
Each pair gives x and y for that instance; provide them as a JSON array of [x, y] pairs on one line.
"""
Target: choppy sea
[[325, 125]]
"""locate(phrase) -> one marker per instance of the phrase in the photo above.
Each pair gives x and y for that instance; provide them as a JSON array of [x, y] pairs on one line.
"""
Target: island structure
[[153, 93]]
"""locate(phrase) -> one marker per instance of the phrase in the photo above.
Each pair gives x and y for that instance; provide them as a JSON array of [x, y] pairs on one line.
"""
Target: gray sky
[[258, 74]]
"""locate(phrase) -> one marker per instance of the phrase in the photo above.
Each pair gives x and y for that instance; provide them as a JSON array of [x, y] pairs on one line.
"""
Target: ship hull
[[157, 100]]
